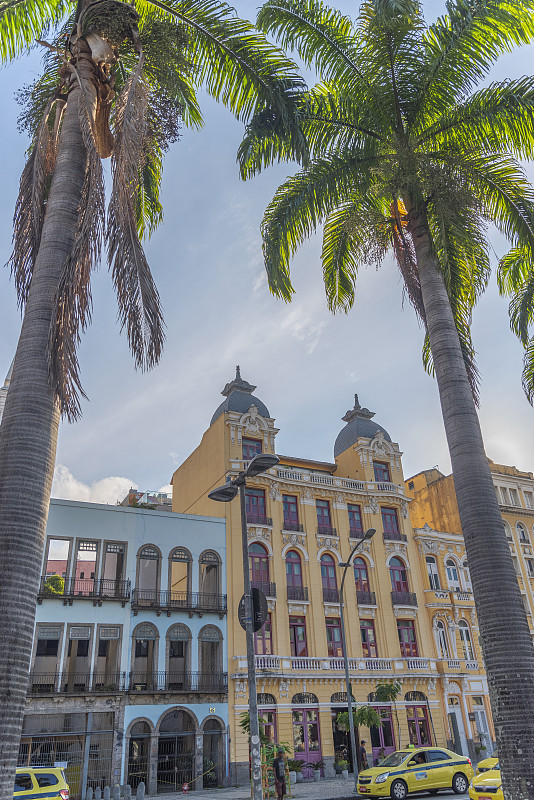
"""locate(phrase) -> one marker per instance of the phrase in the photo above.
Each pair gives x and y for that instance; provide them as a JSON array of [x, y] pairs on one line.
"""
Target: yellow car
[[426, 769], [488, 763], [32, 783], [487, 786]]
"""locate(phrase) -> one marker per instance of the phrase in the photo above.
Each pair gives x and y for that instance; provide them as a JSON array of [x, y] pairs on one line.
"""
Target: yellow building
[[303, 519]]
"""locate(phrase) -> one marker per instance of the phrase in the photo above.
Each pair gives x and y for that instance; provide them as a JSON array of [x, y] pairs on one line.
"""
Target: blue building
[[128, 680]]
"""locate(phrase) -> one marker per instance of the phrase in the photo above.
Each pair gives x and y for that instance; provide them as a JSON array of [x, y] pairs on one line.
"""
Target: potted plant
[[316, 766], [295, 769], [343, 767]]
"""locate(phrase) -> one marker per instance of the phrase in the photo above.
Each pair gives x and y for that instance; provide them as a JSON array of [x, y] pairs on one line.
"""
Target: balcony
[[330, 595], [379, 664], [83, 589], [326, 530], [463, 598], [418, 663], [437, 596], [297, 527], [297, 593], [395, 536], [268, 589], [199, 602], [365, 598], [356, 533], [75, 682], [173, 681], [259, 519], [404, 598]]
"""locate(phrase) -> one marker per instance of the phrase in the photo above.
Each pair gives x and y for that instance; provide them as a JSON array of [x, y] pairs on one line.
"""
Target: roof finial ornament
[[357, 411], [237, 373], [356, 402], [237, 384]]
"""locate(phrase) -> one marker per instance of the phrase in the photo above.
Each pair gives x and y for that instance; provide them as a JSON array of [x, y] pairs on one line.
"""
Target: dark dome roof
[[359, 423], [239, 397]]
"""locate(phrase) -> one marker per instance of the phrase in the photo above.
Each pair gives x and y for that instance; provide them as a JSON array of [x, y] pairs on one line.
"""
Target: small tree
[[362, 715], [54, 584], [388, 693]]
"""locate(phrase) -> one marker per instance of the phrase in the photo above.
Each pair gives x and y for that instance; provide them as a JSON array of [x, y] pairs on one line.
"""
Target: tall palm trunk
[[28, 437], [506, 640]]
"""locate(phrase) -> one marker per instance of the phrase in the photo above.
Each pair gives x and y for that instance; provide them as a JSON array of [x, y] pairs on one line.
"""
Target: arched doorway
[[342, 748], [138, 754], [417, 717], [306, 733], [213, 754], [176, 751]]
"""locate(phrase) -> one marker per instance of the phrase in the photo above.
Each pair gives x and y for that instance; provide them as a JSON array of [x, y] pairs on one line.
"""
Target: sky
[[307, 364]]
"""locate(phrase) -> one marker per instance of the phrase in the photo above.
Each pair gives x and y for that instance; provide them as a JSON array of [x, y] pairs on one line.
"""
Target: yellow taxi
[[32, 783], [425, 769], [487, 786], [488, 763]]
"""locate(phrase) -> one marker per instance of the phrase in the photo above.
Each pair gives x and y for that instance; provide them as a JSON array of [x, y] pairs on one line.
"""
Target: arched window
[[179, 574], [178, 676], [399, 579], [210, 658], [361, 576], [304, 698], [441, 640], [148, 572], [433, 575], [521, 532], [265, 699], [144, 645], [453, 578], [467, 644], [259, 565], [340, 697], [466, 576], [507, 530], [329, 579], [294, 576], [210, 568], [415, 697], [138, 754]]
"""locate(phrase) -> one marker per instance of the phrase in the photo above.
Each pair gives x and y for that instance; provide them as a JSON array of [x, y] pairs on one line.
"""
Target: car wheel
[[398, 790], [459, 783]]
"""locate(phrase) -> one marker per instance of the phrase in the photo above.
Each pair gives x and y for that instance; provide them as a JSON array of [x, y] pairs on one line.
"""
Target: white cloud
[[304, 327], [167, 488], [106, 490]]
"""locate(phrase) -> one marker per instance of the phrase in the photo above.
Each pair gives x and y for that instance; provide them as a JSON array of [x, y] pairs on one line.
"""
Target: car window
[[393, 760], [437, 755], [46, 779], [419, 758], [23, 782]]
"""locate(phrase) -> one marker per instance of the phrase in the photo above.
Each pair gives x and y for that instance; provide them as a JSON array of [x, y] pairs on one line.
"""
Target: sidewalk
[[329, 789]]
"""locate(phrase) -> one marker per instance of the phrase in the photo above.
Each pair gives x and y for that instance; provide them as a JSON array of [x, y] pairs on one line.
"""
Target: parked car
[[37, 782], [421, 769], [487, 786], [488, 763]]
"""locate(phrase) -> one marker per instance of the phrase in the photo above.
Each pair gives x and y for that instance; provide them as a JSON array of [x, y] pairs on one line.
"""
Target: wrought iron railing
[[326, 530], [293, 526], [404, 598], [330, 595], [179, 601], [395, 536], [259, 519], [103, 588], [75, 682], [355, 533], [176, 681], [297, 592], [366, 598], [268, 589]]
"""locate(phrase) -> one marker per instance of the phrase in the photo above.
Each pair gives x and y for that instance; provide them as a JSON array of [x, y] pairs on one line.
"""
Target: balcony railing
[[313, 664], [404, 598], [298, 527], [395, 536], [471, 664], [366, 598], [84, 588], [75, 682], [175, 681], [326, 530], [418, 663], [379, 664], [268, 662], [297, 592], [268, 589], [454, 663], [179, 601], [259, 519], [330, 595], [355, 533]]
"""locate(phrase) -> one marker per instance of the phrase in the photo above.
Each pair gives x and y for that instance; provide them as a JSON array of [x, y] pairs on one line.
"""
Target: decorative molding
[[404, 509], [429, 547], [294, 538], [397, 547], [330, 609], [372, 506], [297, 608], [367, 611], [330, 542], [259, 533], [274, 492], [405, 611]]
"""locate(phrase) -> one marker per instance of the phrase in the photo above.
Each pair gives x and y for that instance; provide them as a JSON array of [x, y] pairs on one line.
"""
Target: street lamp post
[[224, 494], [367, 535]]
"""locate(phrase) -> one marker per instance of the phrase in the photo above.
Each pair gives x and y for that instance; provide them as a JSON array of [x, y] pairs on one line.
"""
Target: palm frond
[[528, 371], [30, 206], [23, 22], [137, 296], [338, 256]]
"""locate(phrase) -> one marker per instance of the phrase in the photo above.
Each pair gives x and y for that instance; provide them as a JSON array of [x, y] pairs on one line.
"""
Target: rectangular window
[[141, 648], [504, 496], [323, 515], [367, 629], [381, 470], [291, 512], [530, 567], [47, 647], [407, 639], [176, 648], [103, 648], [528, 499], [355, 520], [255, 505], [297, 636], [263, 644], [333, 637], [251, 448], [514, 496], [390, 520]]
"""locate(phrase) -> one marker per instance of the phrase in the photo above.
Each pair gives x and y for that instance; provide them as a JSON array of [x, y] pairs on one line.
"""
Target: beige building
[[304, 517]]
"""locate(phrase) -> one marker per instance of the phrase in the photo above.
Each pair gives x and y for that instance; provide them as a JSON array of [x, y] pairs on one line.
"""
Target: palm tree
[[118, 81], [363, 716], [405, 153]]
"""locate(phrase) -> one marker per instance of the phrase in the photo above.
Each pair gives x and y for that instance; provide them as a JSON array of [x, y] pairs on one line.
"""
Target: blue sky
[[307, 364]]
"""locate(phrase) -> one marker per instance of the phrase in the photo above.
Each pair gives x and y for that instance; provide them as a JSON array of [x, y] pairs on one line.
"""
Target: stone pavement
[[331, 789]]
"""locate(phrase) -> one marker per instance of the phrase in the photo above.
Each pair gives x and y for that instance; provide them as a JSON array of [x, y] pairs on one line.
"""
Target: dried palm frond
[[30, 205], [137, 296], [73, 299]]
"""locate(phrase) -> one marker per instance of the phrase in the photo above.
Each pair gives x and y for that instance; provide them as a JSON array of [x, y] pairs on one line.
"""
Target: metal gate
[[176, 761], [138, 761]]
